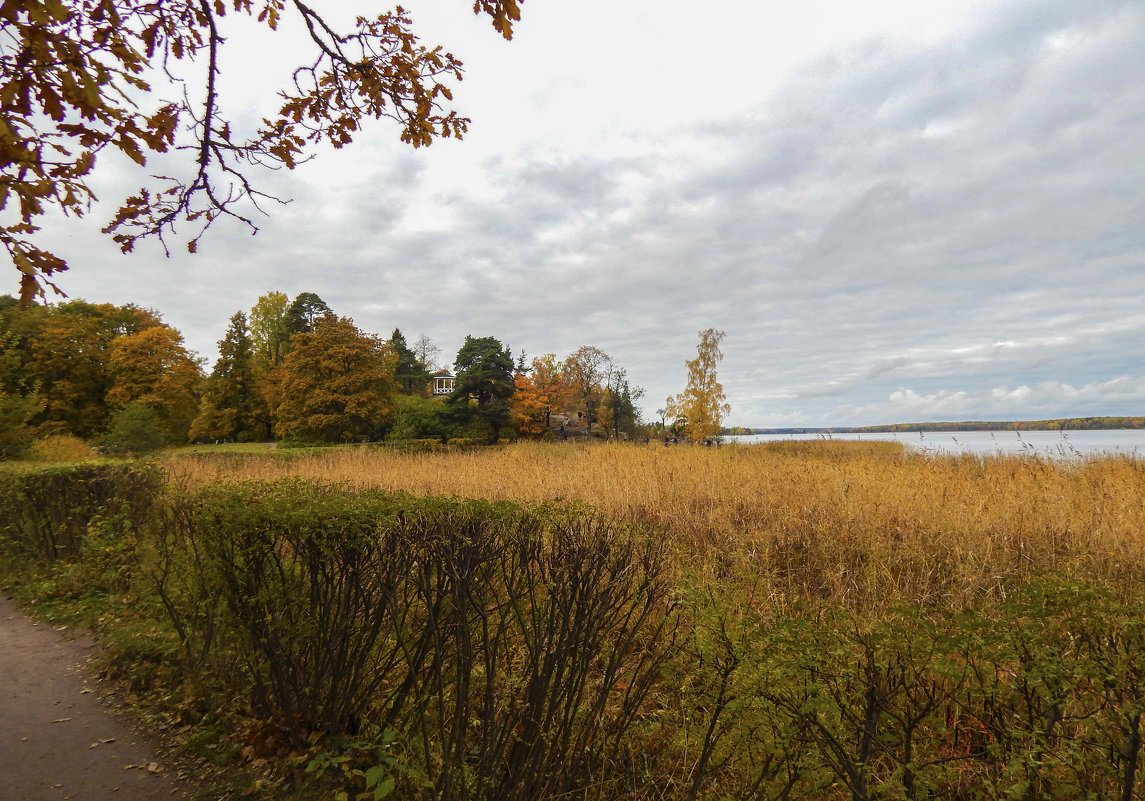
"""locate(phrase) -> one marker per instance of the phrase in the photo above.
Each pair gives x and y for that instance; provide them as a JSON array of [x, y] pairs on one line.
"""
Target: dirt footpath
[[58, 738]]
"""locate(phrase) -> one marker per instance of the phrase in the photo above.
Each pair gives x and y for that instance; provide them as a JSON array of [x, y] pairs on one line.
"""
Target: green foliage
[[363, 611], [136, 429], [16, 414], [412, 376], [448, 649], [484, 370], [375, 764], [417, 418], [46, 513], [232, 409], [304, 311], [270, 339]]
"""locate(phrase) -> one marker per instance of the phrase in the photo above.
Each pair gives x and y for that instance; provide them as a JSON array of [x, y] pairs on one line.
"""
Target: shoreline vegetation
[[1059, 424], [801, 619]]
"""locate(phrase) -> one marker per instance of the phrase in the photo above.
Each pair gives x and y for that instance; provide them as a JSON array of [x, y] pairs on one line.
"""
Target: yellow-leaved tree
[[702, 406]]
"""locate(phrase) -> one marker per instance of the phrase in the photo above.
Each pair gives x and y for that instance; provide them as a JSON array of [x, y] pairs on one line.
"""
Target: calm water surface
[[1050, 444]]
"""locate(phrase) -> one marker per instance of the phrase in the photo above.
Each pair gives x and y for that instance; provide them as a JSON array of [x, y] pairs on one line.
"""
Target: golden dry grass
[[858, 522]]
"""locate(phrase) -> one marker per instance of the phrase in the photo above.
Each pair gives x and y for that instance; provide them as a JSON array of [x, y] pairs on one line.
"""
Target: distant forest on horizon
[[1061, 424]]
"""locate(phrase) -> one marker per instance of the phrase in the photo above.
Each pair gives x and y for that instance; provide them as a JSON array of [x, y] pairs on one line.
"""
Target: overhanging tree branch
[[72, 84]]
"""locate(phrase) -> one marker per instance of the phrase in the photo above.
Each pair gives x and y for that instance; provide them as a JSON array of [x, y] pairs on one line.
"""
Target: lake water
[[1048, 444]]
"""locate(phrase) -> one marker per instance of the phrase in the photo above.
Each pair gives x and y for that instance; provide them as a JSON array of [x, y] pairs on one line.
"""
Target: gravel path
[[59, 739]]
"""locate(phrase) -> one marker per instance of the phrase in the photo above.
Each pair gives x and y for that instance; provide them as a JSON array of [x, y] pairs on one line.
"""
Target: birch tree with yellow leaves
[[702, 406]]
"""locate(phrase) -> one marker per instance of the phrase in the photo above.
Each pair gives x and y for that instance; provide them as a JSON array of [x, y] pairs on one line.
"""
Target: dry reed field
[[861, 523]]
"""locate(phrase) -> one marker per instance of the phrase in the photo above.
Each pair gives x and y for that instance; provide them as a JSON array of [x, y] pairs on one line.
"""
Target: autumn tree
[[337, 384], [81, 77], [540, 392], [268, 331], [701, 407], [412, 376], [484, 383], [589, 369], [230, 408], [152, 367], [63, 351]]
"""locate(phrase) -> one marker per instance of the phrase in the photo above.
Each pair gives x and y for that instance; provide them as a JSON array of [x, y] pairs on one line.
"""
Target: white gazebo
[[443, 382]]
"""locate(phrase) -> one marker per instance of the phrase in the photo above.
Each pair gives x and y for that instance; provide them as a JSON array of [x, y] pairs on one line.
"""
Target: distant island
[[1063, 424]]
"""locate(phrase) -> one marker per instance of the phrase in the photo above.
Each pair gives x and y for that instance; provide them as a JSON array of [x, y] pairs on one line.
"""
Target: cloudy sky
[[897, 211]]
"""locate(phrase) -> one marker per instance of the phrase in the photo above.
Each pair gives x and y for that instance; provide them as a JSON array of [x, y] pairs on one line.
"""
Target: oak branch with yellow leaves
[[76, 79], [700, 409]]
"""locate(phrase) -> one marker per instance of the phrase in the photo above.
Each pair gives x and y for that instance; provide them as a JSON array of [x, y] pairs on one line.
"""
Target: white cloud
[[895, 209]]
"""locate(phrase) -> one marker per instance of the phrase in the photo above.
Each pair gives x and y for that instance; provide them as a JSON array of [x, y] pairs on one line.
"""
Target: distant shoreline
[[1062, 424]]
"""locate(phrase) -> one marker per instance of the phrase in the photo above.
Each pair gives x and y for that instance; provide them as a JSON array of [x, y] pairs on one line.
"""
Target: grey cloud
[[874, 228], [887, 366]]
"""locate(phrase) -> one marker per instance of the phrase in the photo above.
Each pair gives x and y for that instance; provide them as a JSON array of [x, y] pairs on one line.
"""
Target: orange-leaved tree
[[152, 367], [542, 391], [78, 77], [336, 385], [62, 352]]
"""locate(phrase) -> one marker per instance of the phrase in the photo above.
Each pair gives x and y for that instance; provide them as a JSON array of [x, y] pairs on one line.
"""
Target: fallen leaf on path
[[61, 720], [154, 767], [101, 742]]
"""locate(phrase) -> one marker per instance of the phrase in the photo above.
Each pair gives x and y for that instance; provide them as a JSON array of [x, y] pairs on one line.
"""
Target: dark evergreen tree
[[304, 311], [412, 376], [231, 408], [484, 385]]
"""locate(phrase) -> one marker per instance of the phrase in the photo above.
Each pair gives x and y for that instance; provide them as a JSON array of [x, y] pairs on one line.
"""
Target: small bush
[[464, 442], [135, 430], [61, 448]]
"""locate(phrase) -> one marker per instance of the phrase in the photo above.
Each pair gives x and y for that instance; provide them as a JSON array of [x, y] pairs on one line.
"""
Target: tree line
[[287, 369]]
